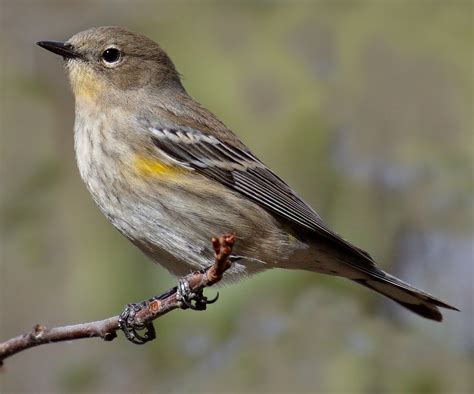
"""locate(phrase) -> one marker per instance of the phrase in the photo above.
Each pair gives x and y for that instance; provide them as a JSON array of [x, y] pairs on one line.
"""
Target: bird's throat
[[86, 85]]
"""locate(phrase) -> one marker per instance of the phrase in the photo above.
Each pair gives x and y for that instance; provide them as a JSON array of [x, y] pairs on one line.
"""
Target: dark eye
[[111, 55]]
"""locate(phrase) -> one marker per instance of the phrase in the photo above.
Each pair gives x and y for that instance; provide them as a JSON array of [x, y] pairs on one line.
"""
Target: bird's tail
[[406, 295]]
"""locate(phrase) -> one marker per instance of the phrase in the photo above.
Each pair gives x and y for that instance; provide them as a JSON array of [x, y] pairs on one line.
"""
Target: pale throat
[[86, 85]]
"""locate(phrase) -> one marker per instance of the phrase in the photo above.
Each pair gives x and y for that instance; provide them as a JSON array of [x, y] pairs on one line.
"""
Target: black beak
[[60, 48]]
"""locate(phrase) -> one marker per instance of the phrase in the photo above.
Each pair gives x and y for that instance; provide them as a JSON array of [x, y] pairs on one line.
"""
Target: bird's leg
[[131, 324], [187, 294], [131, 327], [196, 299], [185, 298]]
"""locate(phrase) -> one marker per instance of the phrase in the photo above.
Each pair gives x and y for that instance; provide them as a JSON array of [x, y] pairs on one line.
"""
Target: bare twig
[[106, 329]]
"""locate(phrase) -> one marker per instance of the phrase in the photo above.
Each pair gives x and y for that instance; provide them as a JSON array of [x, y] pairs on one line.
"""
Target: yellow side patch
[[147, 166]]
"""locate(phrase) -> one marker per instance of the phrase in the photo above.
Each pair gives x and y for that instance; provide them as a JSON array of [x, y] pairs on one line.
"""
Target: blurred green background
[[364, 107]]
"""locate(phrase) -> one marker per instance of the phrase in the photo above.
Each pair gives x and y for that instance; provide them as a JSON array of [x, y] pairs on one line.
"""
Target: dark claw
[[213, 299], [187, 303], [192, 300], [187, 298], [131, 329]]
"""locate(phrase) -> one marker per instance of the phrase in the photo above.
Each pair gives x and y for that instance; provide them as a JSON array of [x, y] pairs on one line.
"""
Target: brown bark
[[107, 328]]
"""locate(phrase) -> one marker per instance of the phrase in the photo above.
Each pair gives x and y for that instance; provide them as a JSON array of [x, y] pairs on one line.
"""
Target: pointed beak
[[60, 48]]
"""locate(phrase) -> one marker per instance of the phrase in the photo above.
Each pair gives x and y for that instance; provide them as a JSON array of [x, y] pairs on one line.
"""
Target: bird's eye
[[111, 56]]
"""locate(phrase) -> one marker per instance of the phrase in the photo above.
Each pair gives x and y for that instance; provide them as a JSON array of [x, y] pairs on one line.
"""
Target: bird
[[169, 174]]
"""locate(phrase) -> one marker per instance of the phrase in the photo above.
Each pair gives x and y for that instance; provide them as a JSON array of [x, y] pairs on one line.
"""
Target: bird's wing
[[241, 171], [235, 167]]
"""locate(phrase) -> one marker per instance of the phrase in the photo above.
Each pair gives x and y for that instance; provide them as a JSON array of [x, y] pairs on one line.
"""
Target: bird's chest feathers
[[96, 153]]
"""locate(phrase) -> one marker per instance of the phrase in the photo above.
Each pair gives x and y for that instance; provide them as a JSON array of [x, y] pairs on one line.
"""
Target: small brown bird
[[169, 175]]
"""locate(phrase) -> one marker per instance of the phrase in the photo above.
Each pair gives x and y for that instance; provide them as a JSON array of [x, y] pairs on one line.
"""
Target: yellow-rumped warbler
[[169, 175]]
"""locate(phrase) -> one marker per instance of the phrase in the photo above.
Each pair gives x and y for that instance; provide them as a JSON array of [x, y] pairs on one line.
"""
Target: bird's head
[[106, 61]]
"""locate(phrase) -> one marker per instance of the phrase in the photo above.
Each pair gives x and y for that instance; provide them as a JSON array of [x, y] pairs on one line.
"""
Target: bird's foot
[[135, 318], [131, 327], [192, 299]]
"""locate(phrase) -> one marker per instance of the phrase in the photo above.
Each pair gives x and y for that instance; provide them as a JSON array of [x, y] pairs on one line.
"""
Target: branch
[[150, 310]]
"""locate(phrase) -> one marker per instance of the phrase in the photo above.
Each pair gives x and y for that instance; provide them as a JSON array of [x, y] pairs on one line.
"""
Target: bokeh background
[[364, 107]]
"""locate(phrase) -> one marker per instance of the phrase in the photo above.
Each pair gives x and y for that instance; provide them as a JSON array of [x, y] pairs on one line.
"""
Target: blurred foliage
[[364, 107]]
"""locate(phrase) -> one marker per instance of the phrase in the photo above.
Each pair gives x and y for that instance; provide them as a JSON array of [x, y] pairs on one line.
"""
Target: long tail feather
[[406, 295]]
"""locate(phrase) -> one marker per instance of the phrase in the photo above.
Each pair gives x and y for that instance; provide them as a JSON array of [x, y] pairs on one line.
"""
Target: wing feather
[[241, 171]]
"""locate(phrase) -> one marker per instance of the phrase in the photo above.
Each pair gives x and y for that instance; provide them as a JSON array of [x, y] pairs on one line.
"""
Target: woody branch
[[107, 328]]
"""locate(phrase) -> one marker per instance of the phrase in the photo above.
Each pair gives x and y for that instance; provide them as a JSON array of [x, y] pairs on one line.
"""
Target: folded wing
[[238, 169]]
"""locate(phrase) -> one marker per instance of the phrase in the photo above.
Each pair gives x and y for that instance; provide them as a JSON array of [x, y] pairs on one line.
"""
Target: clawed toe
[[131, 327], [192, 299], [133, 321]]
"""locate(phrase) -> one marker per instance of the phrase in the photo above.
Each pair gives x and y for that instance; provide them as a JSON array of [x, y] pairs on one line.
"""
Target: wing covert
[[241, 171]]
